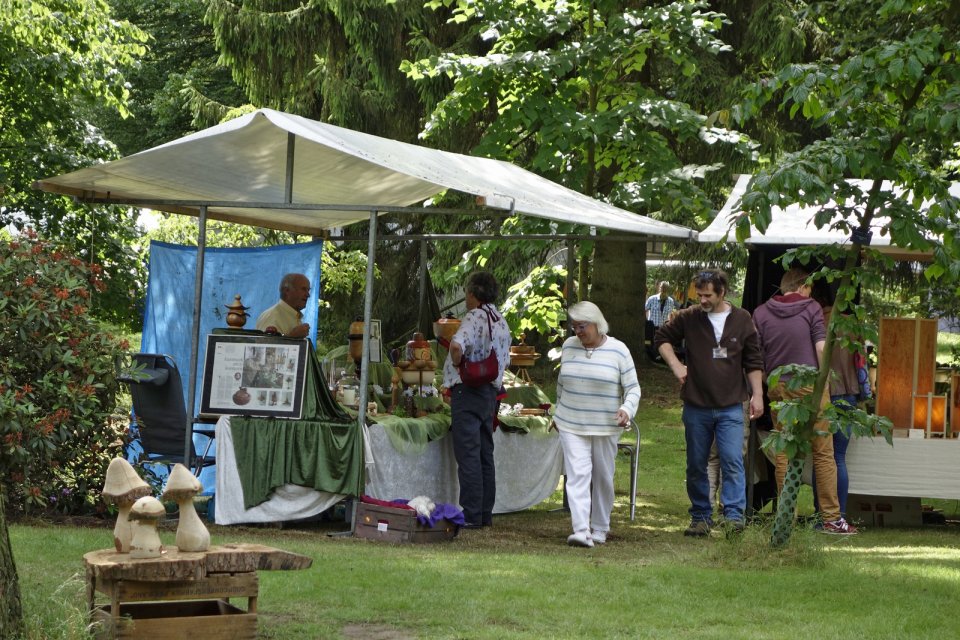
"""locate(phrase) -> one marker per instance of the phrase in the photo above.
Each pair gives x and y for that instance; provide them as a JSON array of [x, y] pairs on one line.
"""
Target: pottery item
[[446, 327], [418, 348], [236, 313], [522, 354], [355, 336]]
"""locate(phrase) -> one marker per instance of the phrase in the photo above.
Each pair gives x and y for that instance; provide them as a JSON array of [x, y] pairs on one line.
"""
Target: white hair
[[588, 312]]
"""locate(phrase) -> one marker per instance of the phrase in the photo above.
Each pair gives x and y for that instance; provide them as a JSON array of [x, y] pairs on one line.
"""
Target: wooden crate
[[207, 619], [390, 524]]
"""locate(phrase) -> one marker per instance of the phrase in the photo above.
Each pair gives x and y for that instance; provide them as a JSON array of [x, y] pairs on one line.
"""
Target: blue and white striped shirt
[[590, 390]]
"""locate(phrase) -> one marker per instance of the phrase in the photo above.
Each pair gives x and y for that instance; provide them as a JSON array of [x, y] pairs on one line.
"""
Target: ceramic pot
[[446, 327], [236, 313], [418, 348], [355, 336]]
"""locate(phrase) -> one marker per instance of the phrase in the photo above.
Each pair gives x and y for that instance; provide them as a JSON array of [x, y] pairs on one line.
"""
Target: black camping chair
[[160, 411]]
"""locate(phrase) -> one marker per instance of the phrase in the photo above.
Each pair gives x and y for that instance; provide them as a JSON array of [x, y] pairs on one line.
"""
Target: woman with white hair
[[597, 397]]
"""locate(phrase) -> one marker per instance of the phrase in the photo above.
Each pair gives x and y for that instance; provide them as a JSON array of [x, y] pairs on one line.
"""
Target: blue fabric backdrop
[[254, 273]]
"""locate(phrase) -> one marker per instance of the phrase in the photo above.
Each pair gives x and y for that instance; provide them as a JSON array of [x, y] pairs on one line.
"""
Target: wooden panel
[[210, 620], [895, 370], [243, 585], [906, 364], [955, 403], [926, 356]]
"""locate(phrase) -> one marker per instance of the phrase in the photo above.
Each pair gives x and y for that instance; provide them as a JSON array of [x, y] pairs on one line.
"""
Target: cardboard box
[[884, 511], [390, 524]]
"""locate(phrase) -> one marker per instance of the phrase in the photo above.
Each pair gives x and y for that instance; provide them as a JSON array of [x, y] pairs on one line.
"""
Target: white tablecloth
[[912, 467], [528, 472]]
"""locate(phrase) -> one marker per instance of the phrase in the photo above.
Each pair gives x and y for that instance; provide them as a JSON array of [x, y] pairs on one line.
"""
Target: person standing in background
[[792, 331], [286, 317], [597, 397], [472, 409], [724, 368], [658, 308]]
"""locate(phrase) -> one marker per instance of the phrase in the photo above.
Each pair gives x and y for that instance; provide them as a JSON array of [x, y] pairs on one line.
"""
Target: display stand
[[180, 594]]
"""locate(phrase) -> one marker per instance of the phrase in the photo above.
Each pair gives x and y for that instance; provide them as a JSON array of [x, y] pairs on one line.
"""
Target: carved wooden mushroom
[[182, 486], [123, 487], [145, 514]]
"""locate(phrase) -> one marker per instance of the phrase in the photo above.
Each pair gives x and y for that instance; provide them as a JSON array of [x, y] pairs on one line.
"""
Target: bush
[[57, 380]]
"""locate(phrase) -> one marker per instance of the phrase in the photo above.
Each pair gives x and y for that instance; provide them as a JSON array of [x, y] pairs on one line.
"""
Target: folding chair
[[634, 449], [160, 411]]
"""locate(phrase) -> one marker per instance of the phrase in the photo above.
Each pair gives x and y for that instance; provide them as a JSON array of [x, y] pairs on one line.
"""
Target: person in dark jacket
[[792, 331], [724, 367]]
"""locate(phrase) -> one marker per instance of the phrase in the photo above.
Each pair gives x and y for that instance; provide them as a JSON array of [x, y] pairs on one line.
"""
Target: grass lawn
[[520, 580]]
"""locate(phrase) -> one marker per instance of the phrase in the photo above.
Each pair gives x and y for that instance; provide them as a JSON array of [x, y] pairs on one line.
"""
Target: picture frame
[[254, 375], [376, 341]]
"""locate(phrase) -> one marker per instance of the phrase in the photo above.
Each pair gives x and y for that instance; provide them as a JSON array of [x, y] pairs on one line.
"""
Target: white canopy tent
[[305, 176], [286, 172], [794, 224]]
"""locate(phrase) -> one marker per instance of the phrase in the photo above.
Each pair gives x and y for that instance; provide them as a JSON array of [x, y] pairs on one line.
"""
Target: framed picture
[[254, 376], [376, 341]]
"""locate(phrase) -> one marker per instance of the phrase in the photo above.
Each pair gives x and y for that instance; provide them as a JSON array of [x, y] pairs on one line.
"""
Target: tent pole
[[367, 313], [288, 182], [195, 338], [421, 322]]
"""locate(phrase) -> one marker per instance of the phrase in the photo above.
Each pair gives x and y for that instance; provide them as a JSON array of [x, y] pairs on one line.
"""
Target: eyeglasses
[[578, 327]]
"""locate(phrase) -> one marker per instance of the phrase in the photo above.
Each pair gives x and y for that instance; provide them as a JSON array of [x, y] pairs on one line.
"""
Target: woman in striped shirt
[[597, 397]]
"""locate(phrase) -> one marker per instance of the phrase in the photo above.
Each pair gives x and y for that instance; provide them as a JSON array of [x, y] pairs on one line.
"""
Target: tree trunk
[[11, 614], [618, 284]]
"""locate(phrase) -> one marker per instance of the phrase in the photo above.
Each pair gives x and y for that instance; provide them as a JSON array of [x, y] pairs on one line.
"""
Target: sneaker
[[697, 529], [580, 539], [599, 537], [839, 527]]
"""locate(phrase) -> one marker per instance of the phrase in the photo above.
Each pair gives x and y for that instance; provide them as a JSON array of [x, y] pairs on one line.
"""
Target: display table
[[528, 462], [912, 467], [180, 594]]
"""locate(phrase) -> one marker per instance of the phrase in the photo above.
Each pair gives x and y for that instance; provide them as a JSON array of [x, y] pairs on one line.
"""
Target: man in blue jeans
[[724, 367]]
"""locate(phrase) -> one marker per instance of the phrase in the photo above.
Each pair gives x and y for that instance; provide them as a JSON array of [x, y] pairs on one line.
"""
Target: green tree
[[58, 62], [583, 93], [177, 85], [886, 99]]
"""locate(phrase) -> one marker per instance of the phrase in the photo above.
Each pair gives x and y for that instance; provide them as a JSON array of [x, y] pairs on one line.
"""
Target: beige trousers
[[824, 465]]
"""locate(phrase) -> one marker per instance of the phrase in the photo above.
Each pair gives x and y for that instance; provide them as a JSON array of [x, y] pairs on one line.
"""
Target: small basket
[[533, 412]]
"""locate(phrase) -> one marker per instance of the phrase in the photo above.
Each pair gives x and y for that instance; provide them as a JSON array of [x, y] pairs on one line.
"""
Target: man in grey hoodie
[[792, 331]]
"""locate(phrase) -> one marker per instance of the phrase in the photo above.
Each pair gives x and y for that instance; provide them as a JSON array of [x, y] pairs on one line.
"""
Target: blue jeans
[[701, 427], [840, 441]]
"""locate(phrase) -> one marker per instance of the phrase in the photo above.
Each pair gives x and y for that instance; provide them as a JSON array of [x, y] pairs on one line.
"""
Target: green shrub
[[57, 380]]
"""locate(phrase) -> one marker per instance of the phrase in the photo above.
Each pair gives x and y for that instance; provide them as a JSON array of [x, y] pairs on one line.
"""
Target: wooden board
[[207, 619], [906, 364], [108, 564]]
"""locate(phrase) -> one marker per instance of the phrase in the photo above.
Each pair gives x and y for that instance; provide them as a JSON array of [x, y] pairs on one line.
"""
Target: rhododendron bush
[[57, 380]]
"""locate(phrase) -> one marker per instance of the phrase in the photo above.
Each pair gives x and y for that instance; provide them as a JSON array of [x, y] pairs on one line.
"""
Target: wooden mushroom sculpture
[[145, 514], [182, 486], [123, 487]]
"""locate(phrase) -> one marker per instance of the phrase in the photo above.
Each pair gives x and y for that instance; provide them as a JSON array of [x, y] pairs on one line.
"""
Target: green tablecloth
[[324, 450]]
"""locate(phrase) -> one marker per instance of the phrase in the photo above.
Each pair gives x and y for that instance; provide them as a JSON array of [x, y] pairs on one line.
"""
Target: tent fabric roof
[[244, 160], [794, 224]]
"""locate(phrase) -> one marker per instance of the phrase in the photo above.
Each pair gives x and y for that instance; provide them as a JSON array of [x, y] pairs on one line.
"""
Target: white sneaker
[[599, 537], [580, 539]]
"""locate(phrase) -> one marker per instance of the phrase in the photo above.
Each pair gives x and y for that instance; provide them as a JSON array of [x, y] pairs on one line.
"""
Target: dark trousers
[[472, 412]]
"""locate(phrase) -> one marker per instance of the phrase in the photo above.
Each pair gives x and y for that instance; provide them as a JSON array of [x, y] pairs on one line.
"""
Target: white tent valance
[[794, 224], [247, 160]]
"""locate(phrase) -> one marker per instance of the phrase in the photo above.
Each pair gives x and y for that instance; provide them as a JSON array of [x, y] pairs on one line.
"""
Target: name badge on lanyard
[[719, 352]]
